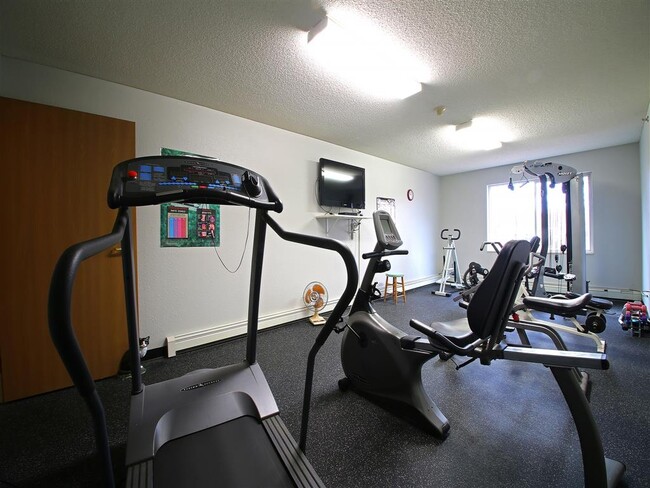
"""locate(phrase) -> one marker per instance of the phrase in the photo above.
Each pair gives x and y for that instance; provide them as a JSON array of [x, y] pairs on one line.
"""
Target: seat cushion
[[457, 331], [559, 306]]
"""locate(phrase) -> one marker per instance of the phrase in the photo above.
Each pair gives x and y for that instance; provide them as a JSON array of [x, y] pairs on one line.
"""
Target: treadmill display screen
[[159, 179]]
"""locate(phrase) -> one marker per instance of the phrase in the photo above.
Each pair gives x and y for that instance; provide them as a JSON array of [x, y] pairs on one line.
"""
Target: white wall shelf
[[353, 221], [354, 226]]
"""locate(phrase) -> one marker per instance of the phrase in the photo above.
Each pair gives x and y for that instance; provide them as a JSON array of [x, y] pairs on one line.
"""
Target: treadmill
[[211, 427]]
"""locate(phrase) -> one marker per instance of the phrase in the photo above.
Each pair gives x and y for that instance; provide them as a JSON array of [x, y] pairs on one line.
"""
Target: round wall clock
[[409, 194]]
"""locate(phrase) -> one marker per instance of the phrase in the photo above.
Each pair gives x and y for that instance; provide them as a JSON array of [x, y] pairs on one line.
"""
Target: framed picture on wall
[[387, 204], [188, 225]]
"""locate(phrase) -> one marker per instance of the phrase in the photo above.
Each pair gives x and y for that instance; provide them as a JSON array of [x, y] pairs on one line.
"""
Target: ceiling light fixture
[[362, 61], [477, 136]]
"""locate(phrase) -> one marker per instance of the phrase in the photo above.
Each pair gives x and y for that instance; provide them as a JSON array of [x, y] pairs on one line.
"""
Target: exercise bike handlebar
[[449, 235], [535, 262], [496, 245], [381, 254]]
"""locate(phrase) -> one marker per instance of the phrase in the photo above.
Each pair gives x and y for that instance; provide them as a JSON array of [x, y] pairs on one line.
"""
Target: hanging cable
[[241, 259], [215, 246], [329, 212]]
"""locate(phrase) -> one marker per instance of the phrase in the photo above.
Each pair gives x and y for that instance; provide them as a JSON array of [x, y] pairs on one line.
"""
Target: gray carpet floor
[[510, 426]]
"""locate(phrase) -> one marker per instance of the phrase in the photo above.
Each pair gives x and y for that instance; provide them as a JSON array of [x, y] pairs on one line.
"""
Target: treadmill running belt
[[238, 453]]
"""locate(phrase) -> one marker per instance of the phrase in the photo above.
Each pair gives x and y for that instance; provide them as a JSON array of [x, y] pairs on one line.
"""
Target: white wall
[[616, 261], [184, 290], [644, 150]]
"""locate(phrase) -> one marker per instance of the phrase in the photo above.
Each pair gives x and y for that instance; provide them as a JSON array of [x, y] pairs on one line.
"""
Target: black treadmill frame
[[60, 297]]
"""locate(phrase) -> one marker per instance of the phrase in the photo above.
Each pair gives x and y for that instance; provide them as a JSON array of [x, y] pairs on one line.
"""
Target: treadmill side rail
[[296, 462]]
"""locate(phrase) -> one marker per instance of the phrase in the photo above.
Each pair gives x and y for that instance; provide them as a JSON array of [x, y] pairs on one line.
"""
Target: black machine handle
[[496, 245], [532, 264], [384, 253], [534, 261], [335, 316], [60, 298], [449, 235], [63, 335]]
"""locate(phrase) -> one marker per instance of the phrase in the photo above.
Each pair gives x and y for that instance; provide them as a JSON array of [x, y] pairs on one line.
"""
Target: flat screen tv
[[341, 185]]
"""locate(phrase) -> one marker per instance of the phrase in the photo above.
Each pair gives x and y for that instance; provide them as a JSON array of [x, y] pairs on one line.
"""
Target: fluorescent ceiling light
[[362, 61], [477, 136], [332, 174]]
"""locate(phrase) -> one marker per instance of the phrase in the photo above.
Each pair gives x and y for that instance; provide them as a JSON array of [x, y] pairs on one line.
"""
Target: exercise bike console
[[387, 234]]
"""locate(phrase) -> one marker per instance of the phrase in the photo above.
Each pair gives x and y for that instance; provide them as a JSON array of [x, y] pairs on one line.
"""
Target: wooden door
[[57, 165]]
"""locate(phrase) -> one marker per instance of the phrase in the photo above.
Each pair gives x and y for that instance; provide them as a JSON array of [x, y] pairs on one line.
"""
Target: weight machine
[[549, 175], [575, 277]]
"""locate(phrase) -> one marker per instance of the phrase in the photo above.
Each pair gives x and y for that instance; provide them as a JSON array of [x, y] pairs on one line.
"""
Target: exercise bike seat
[[599, 303], [558, 306], [457, 331], [488, 309]]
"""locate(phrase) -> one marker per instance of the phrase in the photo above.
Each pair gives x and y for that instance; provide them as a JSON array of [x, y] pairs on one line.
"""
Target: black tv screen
[[341, 185]]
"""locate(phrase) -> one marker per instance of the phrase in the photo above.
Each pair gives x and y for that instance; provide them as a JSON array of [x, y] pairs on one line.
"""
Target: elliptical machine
[[379, 359], [450, 264]]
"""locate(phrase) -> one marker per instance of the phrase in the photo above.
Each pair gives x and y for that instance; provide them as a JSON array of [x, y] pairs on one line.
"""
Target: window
[[516, 214]]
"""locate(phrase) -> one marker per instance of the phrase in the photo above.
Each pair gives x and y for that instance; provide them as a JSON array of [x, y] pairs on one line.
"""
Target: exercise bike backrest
[[490, 306]]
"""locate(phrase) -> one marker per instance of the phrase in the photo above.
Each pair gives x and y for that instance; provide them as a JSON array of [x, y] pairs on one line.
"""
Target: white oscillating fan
[[315, 298]]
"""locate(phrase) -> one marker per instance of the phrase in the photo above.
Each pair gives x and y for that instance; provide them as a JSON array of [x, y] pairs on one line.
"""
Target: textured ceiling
[[559, 76]]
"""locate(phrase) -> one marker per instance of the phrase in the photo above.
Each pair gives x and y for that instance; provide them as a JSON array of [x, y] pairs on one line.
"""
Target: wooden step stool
[[396, 283]]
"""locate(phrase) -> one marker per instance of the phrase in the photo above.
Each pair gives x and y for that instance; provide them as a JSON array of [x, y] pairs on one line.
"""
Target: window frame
[[491, 227]]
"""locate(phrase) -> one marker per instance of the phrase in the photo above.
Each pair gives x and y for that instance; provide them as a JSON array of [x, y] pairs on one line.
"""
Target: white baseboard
[[176, 343], [615, 293], [410, 284]]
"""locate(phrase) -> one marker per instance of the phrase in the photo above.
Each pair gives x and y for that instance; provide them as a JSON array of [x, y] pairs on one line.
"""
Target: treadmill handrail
[[335, 316], [65, 341], [60, 299], [63, 334]]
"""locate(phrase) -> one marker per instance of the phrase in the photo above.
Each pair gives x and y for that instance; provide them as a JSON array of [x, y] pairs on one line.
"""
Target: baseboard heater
[[552, 286], [615, 293], [187, 340]]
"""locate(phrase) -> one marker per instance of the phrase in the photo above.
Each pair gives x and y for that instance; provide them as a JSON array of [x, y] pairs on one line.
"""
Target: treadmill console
[[153, 180], [387, 235]]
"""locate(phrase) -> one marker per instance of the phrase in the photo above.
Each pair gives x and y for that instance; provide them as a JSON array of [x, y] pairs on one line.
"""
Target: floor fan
[[315, 298]]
